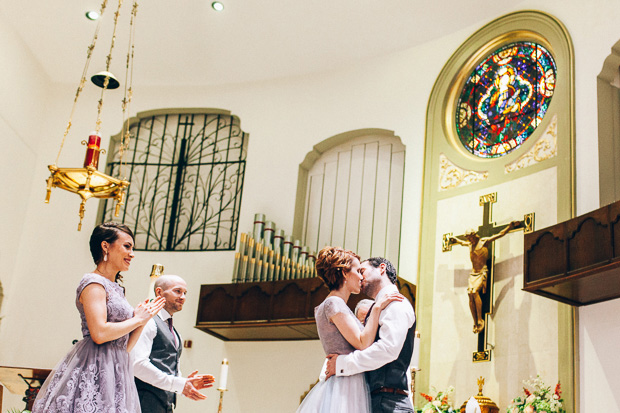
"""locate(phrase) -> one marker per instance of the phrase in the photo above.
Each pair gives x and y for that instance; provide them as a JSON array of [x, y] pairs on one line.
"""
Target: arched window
[[505, 99], [350, 194], [186, 170]]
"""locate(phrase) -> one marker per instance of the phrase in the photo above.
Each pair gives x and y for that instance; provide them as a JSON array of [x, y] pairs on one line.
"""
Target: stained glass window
[[505, 98]]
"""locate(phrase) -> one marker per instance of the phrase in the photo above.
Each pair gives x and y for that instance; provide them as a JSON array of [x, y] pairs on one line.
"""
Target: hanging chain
[[89, 54], [107, 68], [125, 134]]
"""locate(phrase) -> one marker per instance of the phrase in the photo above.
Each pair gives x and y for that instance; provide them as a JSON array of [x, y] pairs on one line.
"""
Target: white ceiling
[[185, 42]]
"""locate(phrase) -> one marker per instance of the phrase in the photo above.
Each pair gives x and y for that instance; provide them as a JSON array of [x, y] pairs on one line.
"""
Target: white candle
[[224, 374], [415, 359]]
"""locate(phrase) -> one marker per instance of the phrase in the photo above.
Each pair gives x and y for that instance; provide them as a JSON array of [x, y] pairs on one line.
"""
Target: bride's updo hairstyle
[[332, 263]]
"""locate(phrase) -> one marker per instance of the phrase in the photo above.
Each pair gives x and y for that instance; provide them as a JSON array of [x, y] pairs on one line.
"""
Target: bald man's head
[[173, 288]]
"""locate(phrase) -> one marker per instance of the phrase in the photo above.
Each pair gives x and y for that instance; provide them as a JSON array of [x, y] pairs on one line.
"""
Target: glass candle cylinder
[[93, 148]]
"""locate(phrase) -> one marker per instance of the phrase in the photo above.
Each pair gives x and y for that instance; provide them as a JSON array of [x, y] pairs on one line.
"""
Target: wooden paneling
[[267, 311], [577, 261]]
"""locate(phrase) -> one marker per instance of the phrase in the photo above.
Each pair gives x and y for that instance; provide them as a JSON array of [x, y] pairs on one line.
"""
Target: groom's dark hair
[[389, 268]]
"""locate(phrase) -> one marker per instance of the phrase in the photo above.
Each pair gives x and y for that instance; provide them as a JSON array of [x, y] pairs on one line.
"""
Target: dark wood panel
[[267, 311], [546, 257], [589, 240], [578, 261]]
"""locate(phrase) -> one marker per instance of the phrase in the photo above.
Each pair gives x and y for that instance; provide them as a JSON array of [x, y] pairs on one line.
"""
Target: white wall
[[599, 333], [43, 256], [25, 92]]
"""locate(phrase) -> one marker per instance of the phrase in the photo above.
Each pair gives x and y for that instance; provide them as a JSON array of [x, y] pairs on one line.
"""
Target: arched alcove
[[534, 176], [349, 193]]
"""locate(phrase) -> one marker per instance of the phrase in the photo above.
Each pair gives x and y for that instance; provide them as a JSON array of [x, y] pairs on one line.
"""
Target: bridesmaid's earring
[[105, 257]]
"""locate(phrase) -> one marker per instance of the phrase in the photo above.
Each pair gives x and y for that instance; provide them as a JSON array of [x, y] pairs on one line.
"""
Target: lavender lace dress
[[338, 394], [95, 378]]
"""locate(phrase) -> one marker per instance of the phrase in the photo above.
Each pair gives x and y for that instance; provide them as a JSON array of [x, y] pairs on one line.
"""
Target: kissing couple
[[367, 366]]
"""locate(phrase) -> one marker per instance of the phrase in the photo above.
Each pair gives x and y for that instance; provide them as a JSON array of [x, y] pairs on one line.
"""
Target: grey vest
[[394, 374], [165, 357]]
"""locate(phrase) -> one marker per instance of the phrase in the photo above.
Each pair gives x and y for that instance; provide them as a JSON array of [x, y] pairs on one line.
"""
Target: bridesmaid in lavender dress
[[342, 333], [96, 375]]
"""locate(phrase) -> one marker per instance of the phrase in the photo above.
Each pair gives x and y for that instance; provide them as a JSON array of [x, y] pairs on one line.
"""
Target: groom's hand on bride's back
[[331, 366]]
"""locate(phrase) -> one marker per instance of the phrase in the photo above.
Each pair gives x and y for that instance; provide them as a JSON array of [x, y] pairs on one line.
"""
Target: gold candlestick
[[219, 409], [413, 372]]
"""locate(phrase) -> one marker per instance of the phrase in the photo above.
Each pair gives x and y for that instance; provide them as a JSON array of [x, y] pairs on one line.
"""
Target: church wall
[[523, 327], [25, 91], [593, 33], [284, 119]]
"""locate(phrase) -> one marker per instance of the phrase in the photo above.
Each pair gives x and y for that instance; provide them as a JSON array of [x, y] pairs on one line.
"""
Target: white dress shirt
[[142, 366], [394, 322]]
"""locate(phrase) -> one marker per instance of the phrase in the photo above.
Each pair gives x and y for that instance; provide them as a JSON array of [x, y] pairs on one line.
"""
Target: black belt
[[389, 390]]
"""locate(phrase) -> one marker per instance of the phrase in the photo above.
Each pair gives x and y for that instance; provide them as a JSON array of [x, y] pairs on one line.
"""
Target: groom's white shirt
[[394, 322]]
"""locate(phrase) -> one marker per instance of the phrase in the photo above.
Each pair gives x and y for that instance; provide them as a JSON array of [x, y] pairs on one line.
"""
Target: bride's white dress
[[344, 394]]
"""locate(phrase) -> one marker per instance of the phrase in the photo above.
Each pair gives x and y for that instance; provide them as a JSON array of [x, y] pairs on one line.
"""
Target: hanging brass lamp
[[87, 181]]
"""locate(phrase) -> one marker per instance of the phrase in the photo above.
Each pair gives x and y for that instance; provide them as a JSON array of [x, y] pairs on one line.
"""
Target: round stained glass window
[[505, 98]]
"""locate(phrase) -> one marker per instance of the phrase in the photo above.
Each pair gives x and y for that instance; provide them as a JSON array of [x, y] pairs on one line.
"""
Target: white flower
[[437, 403]]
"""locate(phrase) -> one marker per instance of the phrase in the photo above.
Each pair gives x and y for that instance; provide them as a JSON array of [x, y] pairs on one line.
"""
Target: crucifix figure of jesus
[[480, 244], [479, 255]]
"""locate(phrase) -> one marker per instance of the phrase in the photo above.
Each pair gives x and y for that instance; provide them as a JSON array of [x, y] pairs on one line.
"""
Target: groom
[[386, 361]]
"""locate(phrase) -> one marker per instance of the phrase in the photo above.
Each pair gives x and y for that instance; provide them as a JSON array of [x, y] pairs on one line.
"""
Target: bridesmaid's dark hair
[[332, 263], [108, 231]]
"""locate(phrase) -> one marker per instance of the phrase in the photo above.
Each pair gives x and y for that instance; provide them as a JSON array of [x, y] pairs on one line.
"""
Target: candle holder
[[156, 272], [414, 370], [219, 409]]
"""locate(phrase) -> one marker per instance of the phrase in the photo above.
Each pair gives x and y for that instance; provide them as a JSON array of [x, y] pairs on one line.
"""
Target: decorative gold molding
[[545, 147], [451, 176]]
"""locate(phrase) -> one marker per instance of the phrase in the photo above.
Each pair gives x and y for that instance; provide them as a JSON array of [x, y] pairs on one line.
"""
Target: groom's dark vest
[[394, 375], [165, 357]]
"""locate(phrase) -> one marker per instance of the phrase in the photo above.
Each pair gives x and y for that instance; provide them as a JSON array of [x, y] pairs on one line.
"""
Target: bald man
[[157, 352]]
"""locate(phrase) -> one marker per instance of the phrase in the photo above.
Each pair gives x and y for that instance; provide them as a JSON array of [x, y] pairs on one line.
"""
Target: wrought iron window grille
[[186, 171]]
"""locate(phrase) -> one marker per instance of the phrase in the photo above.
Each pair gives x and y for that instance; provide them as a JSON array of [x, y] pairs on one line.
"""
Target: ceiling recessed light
[[92, 15], [217, 6]]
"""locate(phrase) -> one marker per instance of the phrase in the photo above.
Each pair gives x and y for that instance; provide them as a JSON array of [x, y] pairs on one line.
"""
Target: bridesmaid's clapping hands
[[147, 309]]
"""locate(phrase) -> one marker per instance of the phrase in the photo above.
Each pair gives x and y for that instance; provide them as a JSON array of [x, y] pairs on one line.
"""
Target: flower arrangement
[[438, 403], [538, 398]]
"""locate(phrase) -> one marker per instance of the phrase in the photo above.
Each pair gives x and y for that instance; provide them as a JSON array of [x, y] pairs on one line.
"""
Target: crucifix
[[481, 253]]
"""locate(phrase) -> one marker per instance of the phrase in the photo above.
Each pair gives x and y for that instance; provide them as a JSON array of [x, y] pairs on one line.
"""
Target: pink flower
[[529, 409]]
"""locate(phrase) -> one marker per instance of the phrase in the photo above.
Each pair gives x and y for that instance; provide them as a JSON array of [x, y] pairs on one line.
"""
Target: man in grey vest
[[386, 361], [157, 352]]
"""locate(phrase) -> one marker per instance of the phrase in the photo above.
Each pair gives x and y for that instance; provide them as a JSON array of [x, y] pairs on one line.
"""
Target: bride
[[342, 333]]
